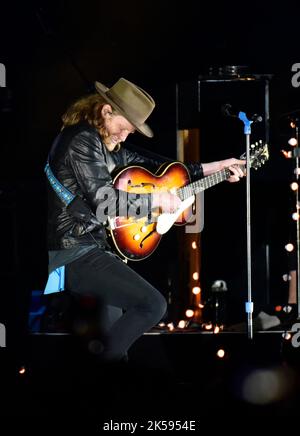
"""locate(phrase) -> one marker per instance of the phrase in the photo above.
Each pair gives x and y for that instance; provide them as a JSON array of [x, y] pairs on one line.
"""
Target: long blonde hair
[[87, 108]]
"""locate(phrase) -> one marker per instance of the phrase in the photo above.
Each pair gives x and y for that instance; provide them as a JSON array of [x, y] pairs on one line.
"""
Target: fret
[[202, 184]]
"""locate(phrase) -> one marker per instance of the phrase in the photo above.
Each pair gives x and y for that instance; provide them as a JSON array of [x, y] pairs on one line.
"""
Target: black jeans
[[130, 305]]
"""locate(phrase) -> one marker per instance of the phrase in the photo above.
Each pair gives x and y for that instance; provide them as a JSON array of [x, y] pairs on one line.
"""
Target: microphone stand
[[249, 304]]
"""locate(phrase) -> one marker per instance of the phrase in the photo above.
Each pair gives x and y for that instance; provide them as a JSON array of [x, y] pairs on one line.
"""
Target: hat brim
[[143, 128]]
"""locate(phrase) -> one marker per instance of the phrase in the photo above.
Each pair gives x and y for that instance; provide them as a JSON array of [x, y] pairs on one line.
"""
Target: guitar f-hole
[[141, 185], [147, 236]]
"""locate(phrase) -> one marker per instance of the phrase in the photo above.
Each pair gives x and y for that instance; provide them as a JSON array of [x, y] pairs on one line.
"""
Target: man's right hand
[[167, 202]]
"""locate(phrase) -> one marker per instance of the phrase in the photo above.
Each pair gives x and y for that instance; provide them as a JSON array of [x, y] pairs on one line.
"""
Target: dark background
[[53, 51]]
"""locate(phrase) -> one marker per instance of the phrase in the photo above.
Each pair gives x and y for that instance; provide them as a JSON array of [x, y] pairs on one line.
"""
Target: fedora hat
[[130, 101]]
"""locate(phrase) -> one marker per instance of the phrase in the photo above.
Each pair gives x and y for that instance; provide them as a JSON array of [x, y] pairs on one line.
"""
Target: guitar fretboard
[[202, 184]]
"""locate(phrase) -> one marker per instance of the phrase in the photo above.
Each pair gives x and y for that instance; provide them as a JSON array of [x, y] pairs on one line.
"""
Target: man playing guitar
[[82, 195]]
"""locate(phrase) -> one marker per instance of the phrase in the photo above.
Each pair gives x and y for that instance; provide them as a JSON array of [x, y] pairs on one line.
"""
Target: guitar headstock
[[259, 154]]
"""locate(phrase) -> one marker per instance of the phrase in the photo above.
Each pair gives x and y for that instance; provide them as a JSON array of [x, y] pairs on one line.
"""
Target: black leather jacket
[[82, 163]]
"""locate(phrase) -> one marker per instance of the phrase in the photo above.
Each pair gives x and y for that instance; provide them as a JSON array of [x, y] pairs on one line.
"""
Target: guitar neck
[[202, 184]]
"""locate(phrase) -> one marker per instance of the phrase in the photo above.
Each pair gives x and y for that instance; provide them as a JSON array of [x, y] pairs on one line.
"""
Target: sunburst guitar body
[[137, 237]]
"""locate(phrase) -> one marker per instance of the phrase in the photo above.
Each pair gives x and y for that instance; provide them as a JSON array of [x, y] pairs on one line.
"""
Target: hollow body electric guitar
[[137, 237]]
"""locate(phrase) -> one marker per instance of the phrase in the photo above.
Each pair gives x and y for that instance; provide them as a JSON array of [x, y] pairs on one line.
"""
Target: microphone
[[229, 111]]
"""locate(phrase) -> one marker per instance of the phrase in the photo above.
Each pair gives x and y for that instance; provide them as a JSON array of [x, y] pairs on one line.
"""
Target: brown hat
[[130, 101]]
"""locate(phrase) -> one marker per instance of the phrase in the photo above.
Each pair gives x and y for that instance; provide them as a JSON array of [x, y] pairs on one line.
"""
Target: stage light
[[294, 186], [216, 329], [201, 305], [189, 313], [286, 277], [292, 142], [208, 326], [286, 154], [289, 247], [286, 336], [278, 308], [195, 275], [295, 216], [196, 290], [194, 245], [297, 171]]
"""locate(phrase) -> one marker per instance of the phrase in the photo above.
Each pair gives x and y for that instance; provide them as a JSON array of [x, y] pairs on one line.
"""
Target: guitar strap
[[56, 279], [63, 193]]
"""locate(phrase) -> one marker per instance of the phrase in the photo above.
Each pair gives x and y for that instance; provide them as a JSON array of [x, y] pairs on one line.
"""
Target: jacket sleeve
[[88, 164], [195, 169]]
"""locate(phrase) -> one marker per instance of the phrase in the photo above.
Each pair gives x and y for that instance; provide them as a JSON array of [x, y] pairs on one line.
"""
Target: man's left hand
[[235, 166]]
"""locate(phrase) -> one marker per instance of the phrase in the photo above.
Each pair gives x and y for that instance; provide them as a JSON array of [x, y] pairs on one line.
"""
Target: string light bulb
[[182, 324], [196, 290], [294, 186], [289, 247], [170, 326], [221, 353], [189, 313], [286, 277], [22, 370], [287, 336]]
